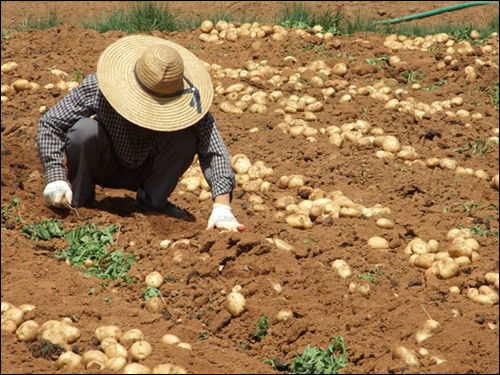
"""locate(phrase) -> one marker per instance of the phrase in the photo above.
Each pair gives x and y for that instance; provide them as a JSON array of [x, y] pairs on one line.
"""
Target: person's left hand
[[223, 218]]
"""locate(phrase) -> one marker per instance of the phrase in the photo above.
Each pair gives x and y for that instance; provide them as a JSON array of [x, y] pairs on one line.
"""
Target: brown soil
[[396, 307]]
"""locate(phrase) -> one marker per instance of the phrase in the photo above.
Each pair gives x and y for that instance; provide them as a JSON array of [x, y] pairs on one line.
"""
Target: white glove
[[56, 191], [222, 217]]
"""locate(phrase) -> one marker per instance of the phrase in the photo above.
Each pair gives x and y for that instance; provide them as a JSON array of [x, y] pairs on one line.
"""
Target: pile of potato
[[231, 32], [24, 85]]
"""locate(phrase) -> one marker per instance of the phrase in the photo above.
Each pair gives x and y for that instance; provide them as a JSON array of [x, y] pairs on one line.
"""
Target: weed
[[203, 336], [311, 239], [273, 365], [369, 275], [493, 207], [87, 242], [151, 292], [435, 87], [321, 361], [262, 327], [477, 146], [468, 206], [480, 232], [307, 47], [91, 291], [363, 111], [377, 60], [45, 230], [13, 203], [78, 72]]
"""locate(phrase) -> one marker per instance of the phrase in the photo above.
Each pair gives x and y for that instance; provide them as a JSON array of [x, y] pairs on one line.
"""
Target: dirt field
[[423, 202]]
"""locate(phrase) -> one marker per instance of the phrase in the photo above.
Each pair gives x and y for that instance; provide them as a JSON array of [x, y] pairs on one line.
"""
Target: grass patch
[[39, 22], [300, 15], [321, 361]]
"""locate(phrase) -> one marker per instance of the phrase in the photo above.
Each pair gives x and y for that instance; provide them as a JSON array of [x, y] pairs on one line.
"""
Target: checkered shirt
[[131, 143]]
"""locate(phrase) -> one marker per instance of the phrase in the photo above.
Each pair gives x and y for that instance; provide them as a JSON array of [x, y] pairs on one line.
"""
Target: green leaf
[[7, 37], [150, 292]]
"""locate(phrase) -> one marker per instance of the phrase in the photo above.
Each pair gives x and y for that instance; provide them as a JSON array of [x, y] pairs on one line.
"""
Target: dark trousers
[[91, 161]]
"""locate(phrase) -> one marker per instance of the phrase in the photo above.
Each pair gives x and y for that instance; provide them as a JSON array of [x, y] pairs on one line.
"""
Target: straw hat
[[154, 83]]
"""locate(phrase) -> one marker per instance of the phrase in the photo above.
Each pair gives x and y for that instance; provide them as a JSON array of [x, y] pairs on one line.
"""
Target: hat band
[[195, 100]]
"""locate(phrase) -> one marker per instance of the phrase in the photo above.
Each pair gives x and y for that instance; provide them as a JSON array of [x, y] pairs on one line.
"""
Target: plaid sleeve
[[52, 127], [214, 158]]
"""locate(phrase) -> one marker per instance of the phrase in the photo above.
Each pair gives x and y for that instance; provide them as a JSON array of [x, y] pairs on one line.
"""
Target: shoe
[[143, 203]]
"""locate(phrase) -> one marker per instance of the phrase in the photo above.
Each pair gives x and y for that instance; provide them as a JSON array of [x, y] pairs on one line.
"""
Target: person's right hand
[[56, 191]]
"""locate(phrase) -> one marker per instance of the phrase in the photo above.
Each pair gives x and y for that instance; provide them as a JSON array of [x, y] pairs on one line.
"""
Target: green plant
[[13, 203], [299, 15], [87, 242], [363, 111], [45, 230], [377, 61], [311, 239], [262, 327], [480, 232], [151, 292], [78, 73], [369, 275], [477, 146], [273, 365], [307, 47], [38, 23], [435, 87], [468, 206], [203, 336], [321, 361]]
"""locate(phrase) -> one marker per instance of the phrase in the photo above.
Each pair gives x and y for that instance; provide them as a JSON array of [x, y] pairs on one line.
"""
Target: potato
[[423, 261], [105, 343], [168, 368], [71, 333], [240, 163], [69, 362], [429, 328], [447, 163], [448, 270], [206, 26], [9, 325], [284, 315], [115, 364], [108, 331], [299, 221], [56, 335], [140, 350], [170, 339], [391, 144], [460, 250], [340, 69], [14, 313], [157, 304], [420, 247], [495, 182], [135, 368], [235, 304], [378, 243], [9, 67], [94, 355], [481, 299], [28, 331], [491, 278], [385, 223], [154, 279], [114, 350], [402, 353], [295, 181], [342, 268], [131, 336], [361, 288], [184, 345], [433, 246]]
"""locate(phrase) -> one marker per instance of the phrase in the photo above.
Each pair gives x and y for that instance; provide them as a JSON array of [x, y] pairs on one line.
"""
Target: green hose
[[434, 12]]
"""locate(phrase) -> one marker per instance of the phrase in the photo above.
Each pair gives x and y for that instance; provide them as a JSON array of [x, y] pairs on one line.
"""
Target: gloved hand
[[222, 217], [56, 191]]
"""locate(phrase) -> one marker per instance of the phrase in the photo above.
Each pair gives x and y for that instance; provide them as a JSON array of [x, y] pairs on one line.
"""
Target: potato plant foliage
[[321, 361]]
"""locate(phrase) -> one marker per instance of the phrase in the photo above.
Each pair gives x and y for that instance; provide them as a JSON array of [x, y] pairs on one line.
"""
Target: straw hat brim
[[115, 75]]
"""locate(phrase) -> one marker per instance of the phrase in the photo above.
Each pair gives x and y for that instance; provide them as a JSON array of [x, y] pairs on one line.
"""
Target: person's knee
[[82, 132]]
